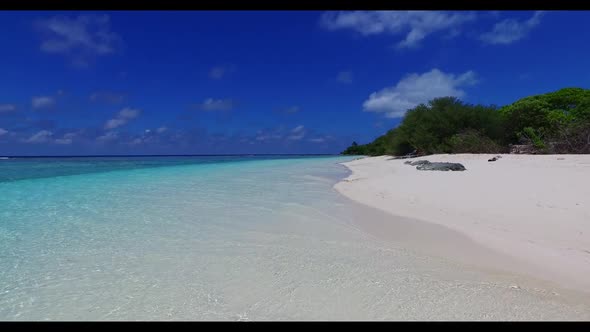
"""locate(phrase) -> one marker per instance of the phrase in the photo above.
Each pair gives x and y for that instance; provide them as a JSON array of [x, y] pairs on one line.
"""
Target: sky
[[248, 82]]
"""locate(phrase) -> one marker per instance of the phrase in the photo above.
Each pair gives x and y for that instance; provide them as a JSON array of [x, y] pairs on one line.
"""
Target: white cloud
[[6, 108], [46, 136], [125, 115], [136, 141], [415, 25], [317, 140], [277, 133], [297, 133], [3, 131], [108, 136], [114, 123], [415, 89], [42, 102], [265, 136], [63, 141], [79, 37], [262, 137], [298, 129], [211, 104], [129, 113], [40, 137], [66, 139], [161, 130], [344, 77], [510, 30]]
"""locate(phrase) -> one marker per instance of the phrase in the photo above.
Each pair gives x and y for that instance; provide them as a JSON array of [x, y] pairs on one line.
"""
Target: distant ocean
[[158, 237]]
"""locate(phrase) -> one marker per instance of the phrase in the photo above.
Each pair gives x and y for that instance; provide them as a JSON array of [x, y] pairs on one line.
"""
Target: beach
[[238, 239], [532, 211]]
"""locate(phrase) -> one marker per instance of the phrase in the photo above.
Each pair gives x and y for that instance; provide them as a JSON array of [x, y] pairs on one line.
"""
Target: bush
[[572, 139], [555, 122], [429, 128], [531, 136], [557, 117], [472, 141]]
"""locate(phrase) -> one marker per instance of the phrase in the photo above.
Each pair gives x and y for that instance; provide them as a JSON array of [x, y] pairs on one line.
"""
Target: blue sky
[[263, 82]]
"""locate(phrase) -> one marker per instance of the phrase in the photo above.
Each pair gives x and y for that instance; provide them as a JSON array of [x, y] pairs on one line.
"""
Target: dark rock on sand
[[493, 159], [440, 167], [417, 162]]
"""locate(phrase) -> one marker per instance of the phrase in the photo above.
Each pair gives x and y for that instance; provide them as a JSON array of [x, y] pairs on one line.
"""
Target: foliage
[[380, 146], [555, 122], [551, 117], [531, 136], [473, 141]]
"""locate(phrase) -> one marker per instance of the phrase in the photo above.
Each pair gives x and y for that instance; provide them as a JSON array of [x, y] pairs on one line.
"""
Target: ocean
[[147, 237], [219, 238]]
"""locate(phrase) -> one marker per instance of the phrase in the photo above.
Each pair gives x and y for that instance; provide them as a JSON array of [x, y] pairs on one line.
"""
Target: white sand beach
[[275, 242], [532, 210]]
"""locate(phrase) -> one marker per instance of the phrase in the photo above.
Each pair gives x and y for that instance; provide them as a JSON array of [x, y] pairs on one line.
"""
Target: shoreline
[[165, 244], [482, 217]]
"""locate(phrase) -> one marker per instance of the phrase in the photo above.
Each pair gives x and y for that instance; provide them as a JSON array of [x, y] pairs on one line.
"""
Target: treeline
[[556, 122]]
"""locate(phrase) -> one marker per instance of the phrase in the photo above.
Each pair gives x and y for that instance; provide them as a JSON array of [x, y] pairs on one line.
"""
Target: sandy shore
[[534, 211]]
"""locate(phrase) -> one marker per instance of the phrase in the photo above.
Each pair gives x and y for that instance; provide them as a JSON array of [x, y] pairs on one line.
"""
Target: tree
[[555, 122]]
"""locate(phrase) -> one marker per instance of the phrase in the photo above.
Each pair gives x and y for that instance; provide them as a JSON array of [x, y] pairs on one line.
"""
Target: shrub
[[555, 122], [473, 141], [531, 136]]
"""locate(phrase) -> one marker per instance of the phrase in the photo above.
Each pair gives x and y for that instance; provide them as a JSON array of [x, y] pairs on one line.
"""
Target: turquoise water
[[12, 169], [219, 238], [78, 233]]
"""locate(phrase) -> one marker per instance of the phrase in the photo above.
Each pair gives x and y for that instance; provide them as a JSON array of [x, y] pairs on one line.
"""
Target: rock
[[493, 159], [417, 162], [440, 167]]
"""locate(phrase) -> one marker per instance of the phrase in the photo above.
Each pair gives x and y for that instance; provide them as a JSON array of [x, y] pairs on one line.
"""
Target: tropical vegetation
[[555, 122]]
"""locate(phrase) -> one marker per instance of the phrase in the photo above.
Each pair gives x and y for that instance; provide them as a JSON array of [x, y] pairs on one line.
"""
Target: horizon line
[[170, 155]]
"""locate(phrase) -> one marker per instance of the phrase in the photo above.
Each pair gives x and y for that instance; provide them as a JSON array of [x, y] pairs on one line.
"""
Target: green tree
[[556, 122], [560, 118]]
